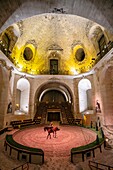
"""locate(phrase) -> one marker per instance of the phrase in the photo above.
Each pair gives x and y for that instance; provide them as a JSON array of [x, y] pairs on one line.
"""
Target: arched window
[[85, 96], [5, 43], [53, 66], [102, 46], [99, 39], [22, 96]]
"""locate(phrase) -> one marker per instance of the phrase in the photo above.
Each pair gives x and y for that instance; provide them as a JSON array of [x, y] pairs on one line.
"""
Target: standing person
[[9, 108], [98, 106]]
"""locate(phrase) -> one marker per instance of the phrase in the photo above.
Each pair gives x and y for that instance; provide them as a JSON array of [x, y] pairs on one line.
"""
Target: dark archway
[[55, 100], [54, 85], [53, 95]]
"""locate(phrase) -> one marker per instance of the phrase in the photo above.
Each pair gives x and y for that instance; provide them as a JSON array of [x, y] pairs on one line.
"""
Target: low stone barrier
[[21, 152]]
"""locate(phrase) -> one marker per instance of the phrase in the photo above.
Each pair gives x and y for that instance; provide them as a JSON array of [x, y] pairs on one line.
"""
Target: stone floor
[[54, 163]]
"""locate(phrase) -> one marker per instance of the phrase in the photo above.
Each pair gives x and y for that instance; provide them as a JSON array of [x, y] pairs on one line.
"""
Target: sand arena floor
[[68, 137]]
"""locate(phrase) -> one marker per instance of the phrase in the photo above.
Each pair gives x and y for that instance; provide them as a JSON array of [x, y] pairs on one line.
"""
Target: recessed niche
[[28, 54], [80, 54]]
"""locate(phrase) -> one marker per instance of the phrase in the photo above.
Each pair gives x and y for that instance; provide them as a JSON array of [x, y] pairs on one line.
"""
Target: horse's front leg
[[48, 135]]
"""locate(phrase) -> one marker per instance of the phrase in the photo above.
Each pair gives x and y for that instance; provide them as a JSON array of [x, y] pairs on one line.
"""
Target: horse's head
[[56, 129]]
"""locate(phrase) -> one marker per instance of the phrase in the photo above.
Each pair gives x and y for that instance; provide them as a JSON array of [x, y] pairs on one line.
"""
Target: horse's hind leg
[[48, 136]]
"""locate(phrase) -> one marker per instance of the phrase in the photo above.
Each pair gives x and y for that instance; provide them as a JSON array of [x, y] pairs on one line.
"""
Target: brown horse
[[51, 130]]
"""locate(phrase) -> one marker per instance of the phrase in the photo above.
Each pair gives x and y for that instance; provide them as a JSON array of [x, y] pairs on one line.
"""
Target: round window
[[80, 55], [28, 54]]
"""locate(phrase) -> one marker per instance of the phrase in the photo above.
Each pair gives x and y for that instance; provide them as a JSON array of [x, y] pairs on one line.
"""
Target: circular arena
[[67, 137]]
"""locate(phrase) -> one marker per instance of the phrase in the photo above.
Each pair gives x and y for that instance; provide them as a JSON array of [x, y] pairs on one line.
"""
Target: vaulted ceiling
[[67, 31], [100, 11]]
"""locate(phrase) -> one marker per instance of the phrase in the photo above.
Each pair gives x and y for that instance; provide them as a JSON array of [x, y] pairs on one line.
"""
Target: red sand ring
[[67, 138]]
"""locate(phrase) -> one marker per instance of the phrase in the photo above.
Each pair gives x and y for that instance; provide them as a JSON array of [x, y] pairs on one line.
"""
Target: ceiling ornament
[[75, 43], [59, 10], [33, 42], [55, 47]]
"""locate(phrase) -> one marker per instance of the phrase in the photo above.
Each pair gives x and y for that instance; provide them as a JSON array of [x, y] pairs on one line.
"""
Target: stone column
[[4, 85], [32, 98], [76, 99]]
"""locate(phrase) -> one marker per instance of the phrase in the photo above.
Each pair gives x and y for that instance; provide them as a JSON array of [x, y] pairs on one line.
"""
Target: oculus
[[80, 54], [27, 54]]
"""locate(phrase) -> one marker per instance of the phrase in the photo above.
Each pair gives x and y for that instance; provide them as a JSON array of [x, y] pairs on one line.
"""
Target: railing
[[106, 49], [25, 166], [96, 165], [3, 130], [89, 149]]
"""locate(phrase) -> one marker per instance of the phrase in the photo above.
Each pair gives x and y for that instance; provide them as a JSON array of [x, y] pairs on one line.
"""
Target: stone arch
[[56, 86], [9, 38], [53, 90], [95, 34]]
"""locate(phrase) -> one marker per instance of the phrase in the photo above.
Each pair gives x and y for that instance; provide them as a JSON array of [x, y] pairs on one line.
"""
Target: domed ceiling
[[54, 44]]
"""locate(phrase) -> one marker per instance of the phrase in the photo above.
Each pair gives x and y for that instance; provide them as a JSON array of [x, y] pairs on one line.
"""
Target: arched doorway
[[53, 102], [54, 98]]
